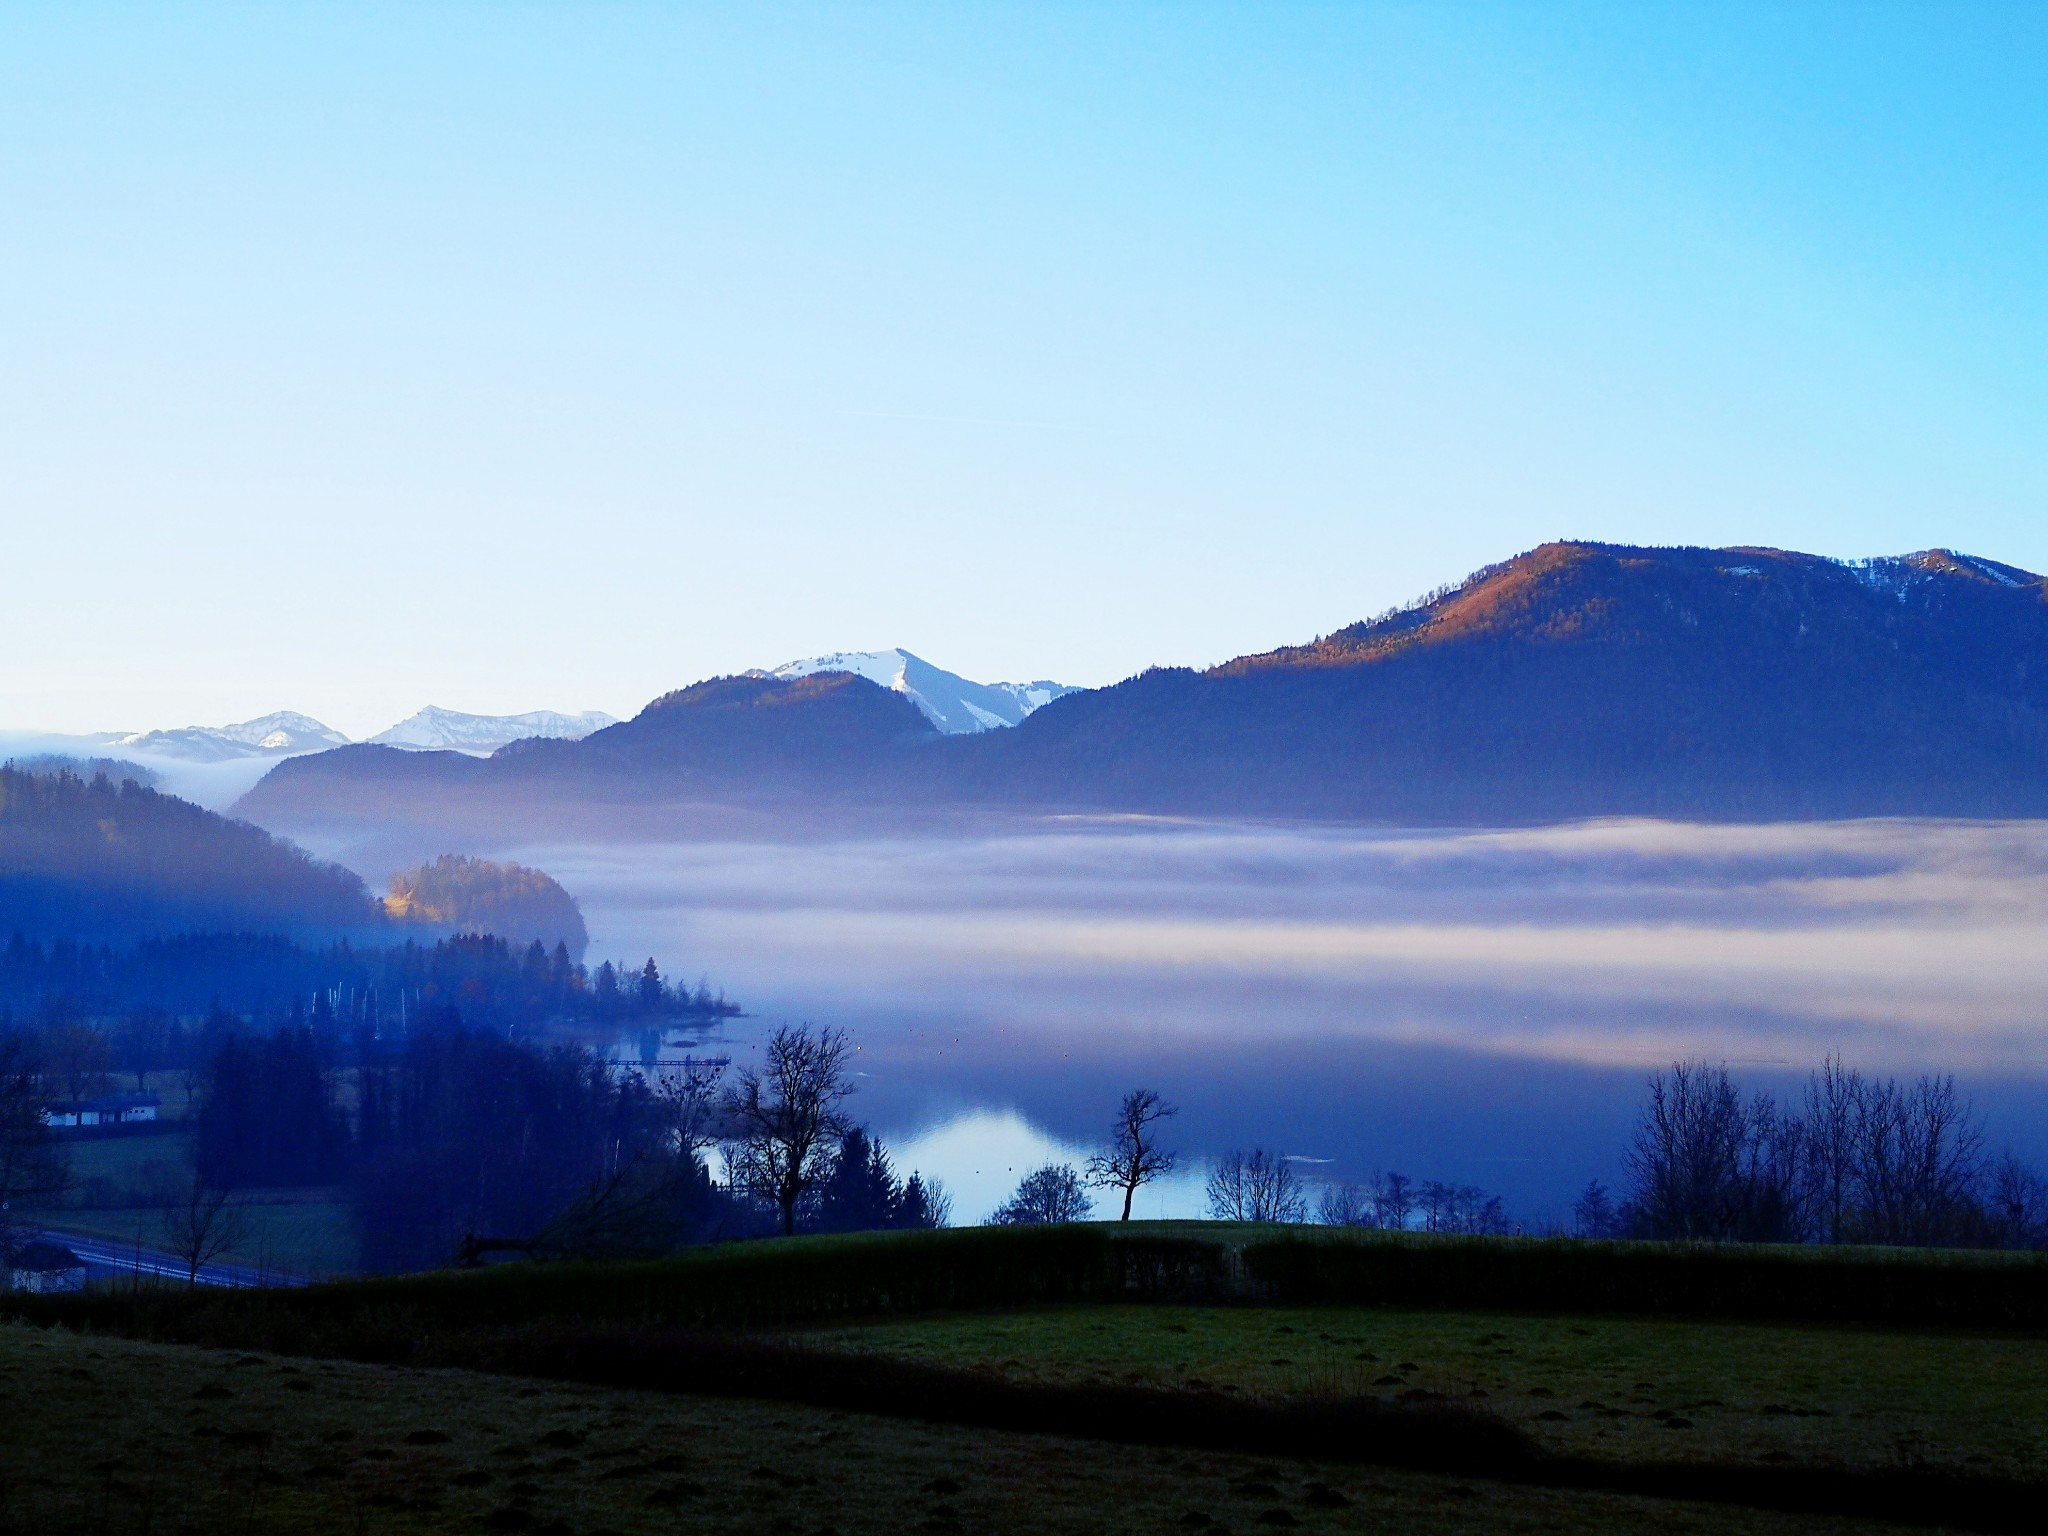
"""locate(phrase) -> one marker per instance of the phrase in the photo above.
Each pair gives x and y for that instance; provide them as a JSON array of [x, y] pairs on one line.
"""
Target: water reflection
[[1472, 1006]]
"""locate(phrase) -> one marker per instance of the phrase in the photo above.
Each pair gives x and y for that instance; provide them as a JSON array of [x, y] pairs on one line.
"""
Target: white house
[[44, 1267], [109, 1109]]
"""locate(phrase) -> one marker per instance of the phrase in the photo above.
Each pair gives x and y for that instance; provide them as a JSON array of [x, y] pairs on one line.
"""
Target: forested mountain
[[1575, 680], [106, 862], [756, 739], [54, 764], [1583, 680], [468, 895]]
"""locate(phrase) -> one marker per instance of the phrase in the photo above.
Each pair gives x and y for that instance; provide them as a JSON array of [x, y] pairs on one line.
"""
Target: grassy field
[[298, 1231], [126, 1161], [1097, 1379], [111, 1436], [1624, 1389], [311, 1238]]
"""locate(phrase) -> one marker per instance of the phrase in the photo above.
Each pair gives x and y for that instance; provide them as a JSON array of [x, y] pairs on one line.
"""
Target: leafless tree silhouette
[[1255, 1186], [1134, 1158], [782, 1121], [202, 1224]]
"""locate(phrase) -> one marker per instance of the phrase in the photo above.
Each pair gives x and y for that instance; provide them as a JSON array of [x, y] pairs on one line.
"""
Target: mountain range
[[213, 765], [953, 704], [1574, 680], [281, 734], [435, 729]]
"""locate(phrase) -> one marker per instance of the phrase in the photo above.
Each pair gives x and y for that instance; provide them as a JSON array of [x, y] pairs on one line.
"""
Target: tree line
[[338, 993], [1256, 1186], [454, 1141], [1854, 1159]]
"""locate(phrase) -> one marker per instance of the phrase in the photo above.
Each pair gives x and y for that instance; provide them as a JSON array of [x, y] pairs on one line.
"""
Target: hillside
[[1585, 680], [115, 863], [465, 895], [832, 737], [1575, 680]]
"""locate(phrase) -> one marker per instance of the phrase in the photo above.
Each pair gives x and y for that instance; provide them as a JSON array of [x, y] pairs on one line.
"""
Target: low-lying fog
[[1475, 1006]]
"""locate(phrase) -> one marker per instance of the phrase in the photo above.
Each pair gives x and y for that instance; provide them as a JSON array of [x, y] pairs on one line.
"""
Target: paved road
[[106, 1256]]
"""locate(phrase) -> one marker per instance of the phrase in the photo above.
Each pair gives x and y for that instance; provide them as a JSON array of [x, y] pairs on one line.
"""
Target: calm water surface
[[1480, 1007]]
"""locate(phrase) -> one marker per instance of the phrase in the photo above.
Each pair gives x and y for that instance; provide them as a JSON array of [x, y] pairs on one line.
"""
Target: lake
[[1480, 1007]]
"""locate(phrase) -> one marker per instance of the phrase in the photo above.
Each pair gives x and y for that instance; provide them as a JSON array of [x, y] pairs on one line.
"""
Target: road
[[106, 1257]]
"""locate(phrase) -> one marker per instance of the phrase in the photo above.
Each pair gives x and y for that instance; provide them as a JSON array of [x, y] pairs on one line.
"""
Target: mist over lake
[[1473, 1006]]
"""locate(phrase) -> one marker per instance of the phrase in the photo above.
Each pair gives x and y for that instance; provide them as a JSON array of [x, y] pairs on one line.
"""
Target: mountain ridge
[[434, 729], [955, 705], [97, 861], [1574, 680], [278, 732]]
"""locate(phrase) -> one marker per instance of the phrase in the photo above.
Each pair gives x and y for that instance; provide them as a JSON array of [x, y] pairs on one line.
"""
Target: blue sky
[[505, 357]]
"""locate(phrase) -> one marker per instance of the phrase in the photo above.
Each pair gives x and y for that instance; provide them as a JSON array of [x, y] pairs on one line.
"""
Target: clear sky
[[503, 357]]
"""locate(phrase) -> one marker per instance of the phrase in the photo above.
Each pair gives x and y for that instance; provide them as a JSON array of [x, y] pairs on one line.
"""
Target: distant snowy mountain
[[215, 765], [956, 705], [435, 729], [282, 734], [209, 765], [1576, 680]]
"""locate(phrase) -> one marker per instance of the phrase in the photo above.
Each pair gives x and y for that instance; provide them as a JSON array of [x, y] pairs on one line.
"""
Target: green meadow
[[110, 1435], [1073, 1379]]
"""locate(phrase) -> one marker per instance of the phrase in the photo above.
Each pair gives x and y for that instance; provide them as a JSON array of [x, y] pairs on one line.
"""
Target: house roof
[[43, 1255]]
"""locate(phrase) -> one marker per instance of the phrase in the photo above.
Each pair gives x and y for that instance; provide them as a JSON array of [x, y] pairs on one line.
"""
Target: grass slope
[[114, 1436], [1620, 1389], [1092, 1333], [305, 1232]]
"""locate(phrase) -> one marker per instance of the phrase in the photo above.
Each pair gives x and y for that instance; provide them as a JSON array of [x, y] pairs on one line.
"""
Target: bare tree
[[1593, 1213], [1046, 1197], [2017, 1202], [33, 1170], [782, 1121], [1393, 1201], [1685, 1162], [1463, 1209], [1920, 1160], [686, 1094], [1343, 1205], [1134, 1158], [1255, 1186], [202, 1224], [1836, 1098], [1385, 1200], [1769, 1199]]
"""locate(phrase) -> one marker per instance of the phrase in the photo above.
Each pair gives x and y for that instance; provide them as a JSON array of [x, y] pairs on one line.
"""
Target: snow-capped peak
[[435, 729], [956, 705], [1898, 575], [280, 734]]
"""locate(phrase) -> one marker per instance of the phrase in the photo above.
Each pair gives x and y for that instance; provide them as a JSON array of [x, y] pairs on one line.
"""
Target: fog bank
[[1480, 1006]]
